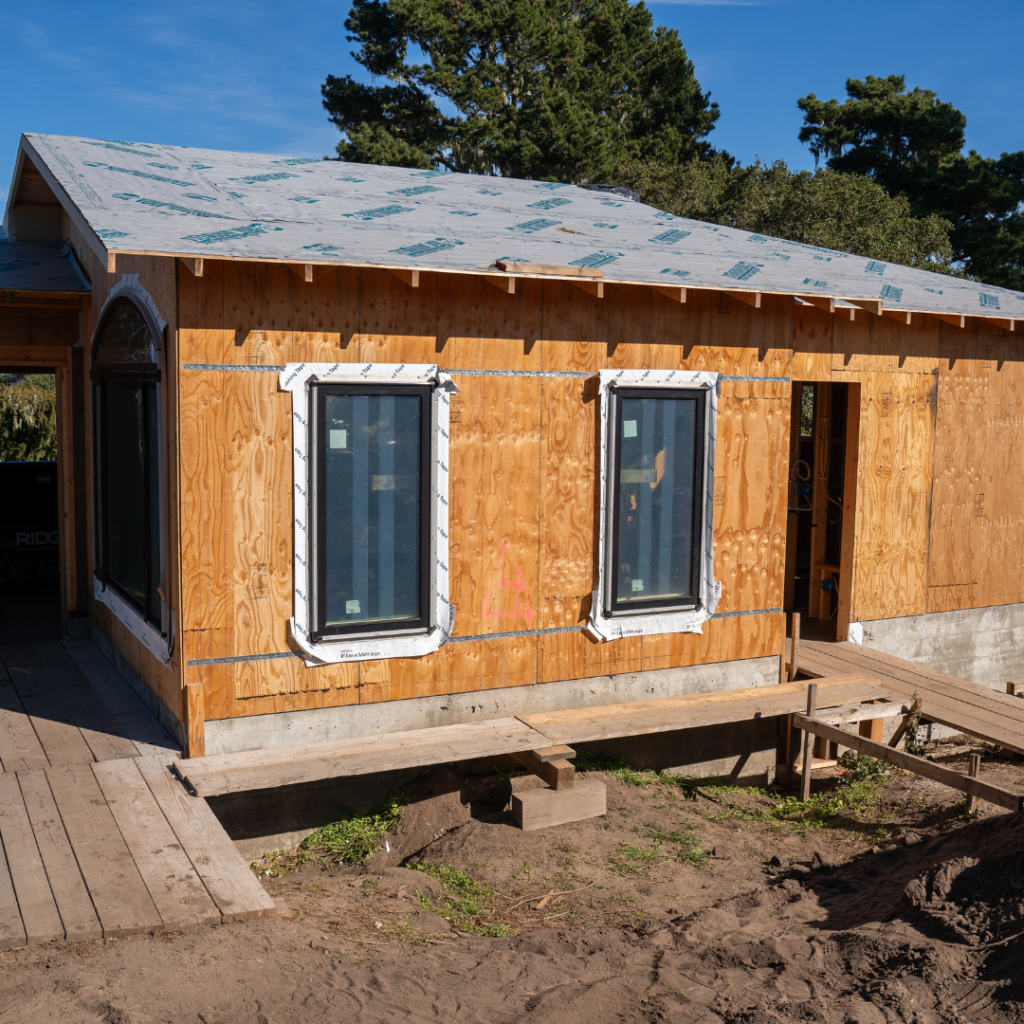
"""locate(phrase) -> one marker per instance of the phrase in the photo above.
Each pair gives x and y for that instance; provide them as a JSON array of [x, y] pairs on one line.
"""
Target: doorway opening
[[31, 606], [822, 490]]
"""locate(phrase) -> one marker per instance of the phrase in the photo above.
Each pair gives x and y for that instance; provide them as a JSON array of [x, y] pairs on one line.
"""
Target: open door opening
[[822, 494], [31, 605]]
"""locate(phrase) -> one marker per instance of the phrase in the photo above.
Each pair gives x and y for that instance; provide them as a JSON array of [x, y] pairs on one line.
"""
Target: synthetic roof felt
[[39, 267], [140, 197]]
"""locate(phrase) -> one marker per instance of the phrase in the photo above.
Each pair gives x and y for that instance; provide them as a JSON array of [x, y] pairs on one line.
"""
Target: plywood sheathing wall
[[940, 498], [523, 525], [157, 276]]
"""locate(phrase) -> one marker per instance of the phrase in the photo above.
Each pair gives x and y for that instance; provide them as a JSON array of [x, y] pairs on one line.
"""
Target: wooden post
[[871, 729], [1011, 689], [794, 646], [782, 663], [805, 780], [195, 720], [973, 772], [844, 582]]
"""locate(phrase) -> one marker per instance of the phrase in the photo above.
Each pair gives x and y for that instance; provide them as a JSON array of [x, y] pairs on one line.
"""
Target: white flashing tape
[[604, 627], [296, 378], [856, 635], [148, 635]]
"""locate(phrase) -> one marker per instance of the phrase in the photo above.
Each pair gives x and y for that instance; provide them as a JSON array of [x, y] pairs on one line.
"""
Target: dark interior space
[[30, 606], [815, 520]]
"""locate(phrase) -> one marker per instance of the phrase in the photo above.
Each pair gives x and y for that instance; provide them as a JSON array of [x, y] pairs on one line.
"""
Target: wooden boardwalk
[[283, 766], [97, 837], [970, 708]]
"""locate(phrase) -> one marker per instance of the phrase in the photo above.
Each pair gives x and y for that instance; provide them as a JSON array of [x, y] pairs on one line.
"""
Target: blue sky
[[231, 75]]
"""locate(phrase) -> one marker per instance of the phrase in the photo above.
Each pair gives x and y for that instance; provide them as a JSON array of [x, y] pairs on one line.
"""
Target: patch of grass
[[353, 838], [689, 848], [587, 761], [464, 902], [635, 860]]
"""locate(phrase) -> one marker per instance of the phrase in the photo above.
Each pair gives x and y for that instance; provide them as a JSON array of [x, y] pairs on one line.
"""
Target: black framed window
[[126, 377], [656, 501], [371, 488]]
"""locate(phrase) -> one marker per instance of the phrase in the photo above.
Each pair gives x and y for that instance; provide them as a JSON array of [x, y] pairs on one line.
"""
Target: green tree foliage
[[28, 417], [828, 208], [549, 89], [911, 144]]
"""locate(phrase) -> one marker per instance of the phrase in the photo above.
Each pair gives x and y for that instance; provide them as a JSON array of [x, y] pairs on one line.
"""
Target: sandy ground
[[709, 909]]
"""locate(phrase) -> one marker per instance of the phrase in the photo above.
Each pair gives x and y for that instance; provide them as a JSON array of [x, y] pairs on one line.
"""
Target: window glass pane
[[126, 338], [124, 495], [654, 515], [152, 461], [370, 536]]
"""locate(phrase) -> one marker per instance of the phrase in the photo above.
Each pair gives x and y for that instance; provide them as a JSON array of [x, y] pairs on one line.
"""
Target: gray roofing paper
[[200, 202], [38, 267]]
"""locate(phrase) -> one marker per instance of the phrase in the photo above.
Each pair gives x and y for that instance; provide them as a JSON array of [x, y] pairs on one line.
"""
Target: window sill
[[148, 635]]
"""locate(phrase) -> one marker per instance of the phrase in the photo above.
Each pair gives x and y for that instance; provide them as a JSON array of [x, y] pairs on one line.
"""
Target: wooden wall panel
[[897, 435], [523, 493]]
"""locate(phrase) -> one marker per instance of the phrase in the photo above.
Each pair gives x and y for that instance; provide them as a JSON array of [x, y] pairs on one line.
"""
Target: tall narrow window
[[656, 500], [125, 375], [371, 448]]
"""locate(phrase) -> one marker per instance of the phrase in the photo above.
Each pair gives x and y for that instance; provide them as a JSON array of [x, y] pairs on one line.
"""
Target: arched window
[[128, 463]]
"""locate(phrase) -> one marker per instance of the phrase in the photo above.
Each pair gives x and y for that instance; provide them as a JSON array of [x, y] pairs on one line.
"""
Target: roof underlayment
[[138, 197], [38, 267]]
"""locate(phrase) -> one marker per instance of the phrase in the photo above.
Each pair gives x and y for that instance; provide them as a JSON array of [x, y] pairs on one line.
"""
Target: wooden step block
[[543, 807], [558, 774]]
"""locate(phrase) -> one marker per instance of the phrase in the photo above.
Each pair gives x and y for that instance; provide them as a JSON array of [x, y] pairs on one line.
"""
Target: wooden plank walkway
[[282, 766], [97, 836], [968, 707]]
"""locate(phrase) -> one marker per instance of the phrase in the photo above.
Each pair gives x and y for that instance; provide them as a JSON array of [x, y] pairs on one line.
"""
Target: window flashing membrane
[[612, 619], [437, 615]]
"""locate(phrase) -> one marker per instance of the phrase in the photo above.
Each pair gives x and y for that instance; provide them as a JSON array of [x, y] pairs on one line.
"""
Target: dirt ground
[[881, 901]]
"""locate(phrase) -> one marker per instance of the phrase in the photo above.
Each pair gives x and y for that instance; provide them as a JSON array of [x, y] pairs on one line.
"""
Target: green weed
[[464, 902], [353, 838]]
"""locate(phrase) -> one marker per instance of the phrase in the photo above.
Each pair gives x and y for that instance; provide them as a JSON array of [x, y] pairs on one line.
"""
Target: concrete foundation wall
[[984, 645], [292, 728]]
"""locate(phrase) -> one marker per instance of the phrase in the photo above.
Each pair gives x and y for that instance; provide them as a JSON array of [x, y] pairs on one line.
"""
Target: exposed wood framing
[[595, 288], [409, 277], [304, 271], [193, 264], [673, 292], [918, 765], [503, 284], [752, 299]]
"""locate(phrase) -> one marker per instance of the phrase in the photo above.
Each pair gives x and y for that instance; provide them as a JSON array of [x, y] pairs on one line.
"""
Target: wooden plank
[[12, 932], [911, 673], [917, 765], [61, 739], [557, 774], [512, 266], [556, 752], [285, 766], [851, 713], [35, 901], [541, 808], [77, 914], [638, 718], [118, 892], [944, 708], [99, 728], [195, 719], [136, 720], [172, 882], [225, 874], [19, 746]]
